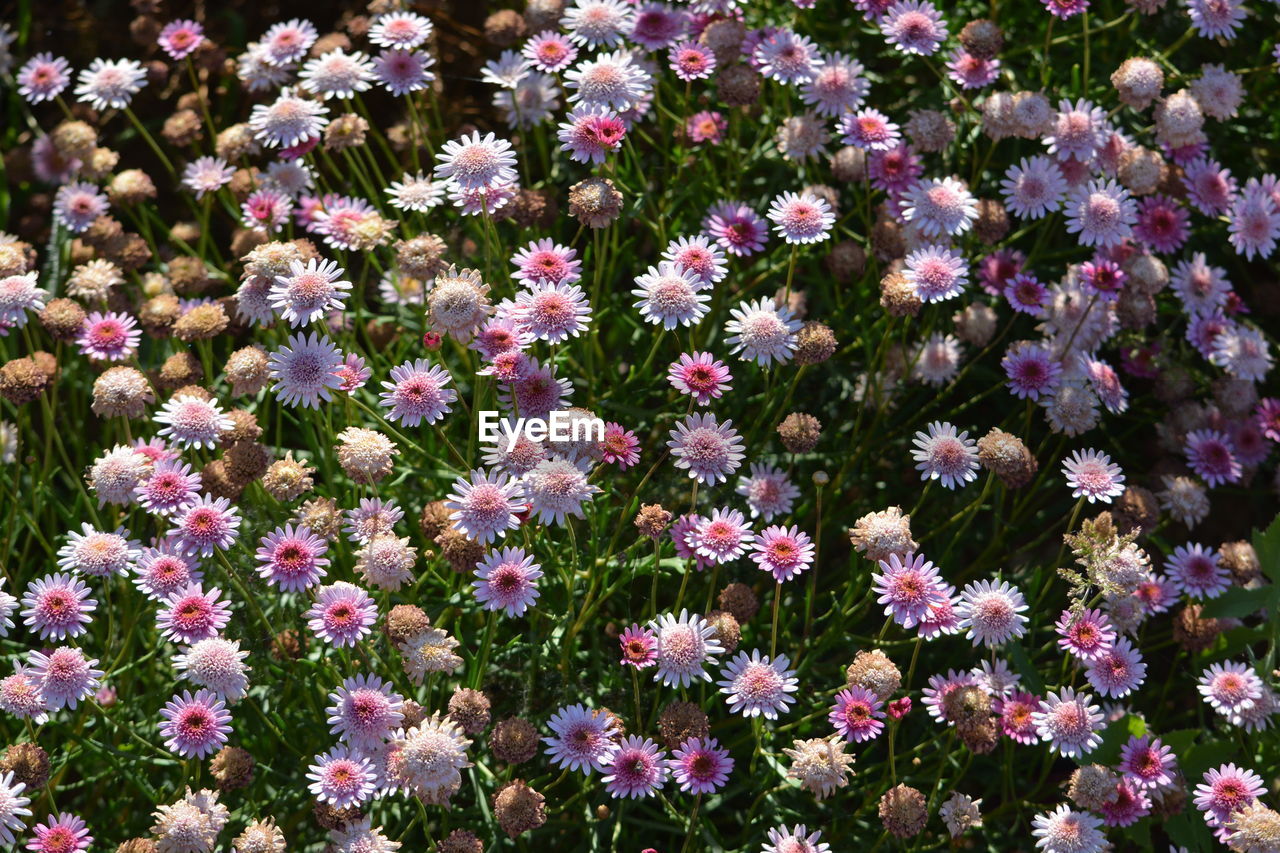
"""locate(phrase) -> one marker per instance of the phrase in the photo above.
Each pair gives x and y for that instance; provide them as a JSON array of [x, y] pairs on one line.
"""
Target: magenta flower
[[485, 506], [112, 336], [1147, 763], [856, 714], [737, 228], [171, 488], [343, 614], [757, 686], [723, 537], [417, 392], [1087, 634], [43, 77], [620, 446], [192, 421], [207, 525], [57, 606], [708, 449], [342, 778], [64, 676], [700, 375], [65, 833], [506, 580], [192, 614], [700, 766], [784, 552], [639, 647], [1092, 475], [581, 739], [636, 769], [365, 711], [685, 645], [180, 38], [293, 558], [1069, 722], [1225, 789], [907, 587], [1118, 671], [195, 726], [1211, 455]]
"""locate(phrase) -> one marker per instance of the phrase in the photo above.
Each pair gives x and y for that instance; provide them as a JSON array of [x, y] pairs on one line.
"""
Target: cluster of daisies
[[1081, 275]]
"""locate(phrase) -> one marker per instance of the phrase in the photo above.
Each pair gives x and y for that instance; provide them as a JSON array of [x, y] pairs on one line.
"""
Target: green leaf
[[1238, 602], [1022, 664], [1267, 544]]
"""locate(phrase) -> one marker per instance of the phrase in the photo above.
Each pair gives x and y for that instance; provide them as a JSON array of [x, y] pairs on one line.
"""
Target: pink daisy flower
[[1216, 18], [1225, 789], [43, 77], [670, 295], [110, 83], [1033, 188], [65, 833], [697, 255], [992, 612], [402, 72], [507, 581], [342, 778], [657, 25], [371, 518], [180, 38], [1026, 294], [757, 686], [723, 537], [98, 553], [895, 170], [266, 210], [708, 449], [192, 614], [705, 378], [165, 570], [691, 61], [293, 558], [801, 218], [309, 292], [685, 645], [581, 739], [787, 57], [907, 587], [738, 229], [700, 766], [1092, 475], [1087, 635], [209, 523], [20, 696], [171, 487], [1078, 130], [1210, 188], [837, 87], [705, 126], [972, 72], [914, 27], [856, 714], [1065, 830], [110, 336], [417, 392], [306, 371], [289, 41], [192, 421], [57, 606], [552, 311], [636, 769], [195, 726], [290, 120], [485, 505], [1015, 712], [1211, 455], [947, 456], [639, 647], [784, 552], [64, 676], [546, 262], [1068, 721], [1118, 671], [550, 52], [590, 133], [869, 130], [1147, 763], [620, 446], [1161, 224], [1230, 688], [1102, 213], [1195, 571], [474, 162], [343, 613], [762, 331], [768, 491], [400, 29], [365, 712], [940, 207]]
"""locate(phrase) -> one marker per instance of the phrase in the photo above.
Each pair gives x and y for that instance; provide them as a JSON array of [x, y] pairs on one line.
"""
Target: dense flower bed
[[695, 426]]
